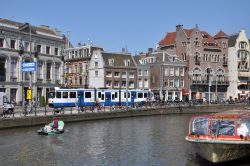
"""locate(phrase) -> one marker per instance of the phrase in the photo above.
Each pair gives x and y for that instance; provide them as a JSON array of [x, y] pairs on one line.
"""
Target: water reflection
[[157, 140]]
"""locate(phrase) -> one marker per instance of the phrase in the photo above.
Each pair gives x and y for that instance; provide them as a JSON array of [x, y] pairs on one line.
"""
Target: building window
[[117, 74], [1, 42], [145, 72], [182, 72], [131, 75], [116, 84], [171, 72], [56, 51], [224, 45], [47, 49], [13, 72], [171, 83], [166, 72], [26, 46], [13, 44], [39, 48], [108, 84], [181, 83], [183, 44], [177, 72], [140, 83], [48, 75], [123, 83], [57, 71], [96, 73], [108, 74], [39, 70], [184, 56], [139, 72], [124, 75], [80, 80], [80, 68], [96, 64], [131, 84]]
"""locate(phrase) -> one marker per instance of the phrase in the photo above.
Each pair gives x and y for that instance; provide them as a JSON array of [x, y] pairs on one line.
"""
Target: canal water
[[137, 141]]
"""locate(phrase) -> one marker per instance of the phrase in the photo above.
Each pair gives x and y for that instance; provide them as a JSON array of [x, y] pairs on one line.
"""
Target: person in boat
[[55, 123]]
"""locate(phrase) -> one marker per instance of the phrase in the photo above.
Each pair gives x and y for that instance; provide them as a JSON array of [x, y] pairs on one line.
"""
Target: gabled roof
[[221, 34], [119, 59], [188, 32], [232, 40], [169, 39]]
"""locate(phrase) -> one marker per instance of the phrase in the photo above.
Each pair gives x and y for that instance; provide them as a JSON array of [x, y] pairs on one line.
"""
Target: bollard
[[35, 110], [45, 111]]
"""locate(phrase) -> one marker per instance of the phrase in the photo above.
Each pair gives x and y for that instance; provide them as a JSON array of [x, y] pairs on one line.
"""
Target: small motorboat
[[221, 137], [48, 130]]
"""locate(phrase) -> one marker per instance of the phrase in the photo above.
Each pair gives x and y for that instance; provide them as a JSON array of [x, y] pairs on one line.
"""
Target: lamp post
[[126, 78], [209, 84]]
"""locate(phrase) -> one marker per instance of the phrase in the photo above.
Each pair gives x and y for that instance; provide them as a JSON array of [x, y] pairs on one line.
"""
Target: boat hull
[[222, 152]]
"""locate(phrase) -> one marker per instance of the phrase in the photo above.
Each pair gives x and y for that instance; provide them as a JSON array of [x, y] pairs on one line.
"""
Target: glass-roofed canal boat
[[221, 137]]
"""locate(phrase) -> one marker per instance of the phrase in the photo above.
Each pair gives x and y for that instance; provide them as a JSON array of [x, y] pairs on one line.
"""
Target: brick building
[[206, 57]]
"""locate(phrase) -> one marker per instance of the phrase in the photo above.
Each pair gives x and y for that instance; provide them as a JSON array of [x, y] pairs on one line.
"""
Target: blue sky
[[137, 24]]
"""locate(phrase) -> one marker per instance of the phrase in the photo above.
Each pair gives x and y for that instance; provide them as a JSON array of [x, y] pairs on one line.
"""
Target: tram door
[[108, 99], [80, 99]]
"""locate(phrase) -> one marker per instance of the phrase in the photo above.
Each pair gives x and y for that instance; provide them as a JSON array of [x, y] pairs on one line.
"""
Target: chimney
[[150, 50], [123, 50], [178, 27]]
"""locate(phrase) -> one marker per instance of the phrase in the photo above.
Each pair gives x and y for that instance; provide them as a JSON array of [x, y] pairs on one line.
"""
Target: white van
[[5, 105]]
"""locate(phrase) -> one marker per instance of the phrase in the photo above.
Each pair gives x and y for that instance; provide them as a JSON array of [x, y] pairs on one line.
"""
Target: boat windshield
[[222, 127], [243, 127], [199, 126], [51, 95]]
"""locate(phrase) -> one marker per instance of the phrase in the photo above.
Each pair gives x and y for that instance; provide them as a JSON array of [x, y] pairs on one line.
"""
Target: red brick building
[[206, 58]]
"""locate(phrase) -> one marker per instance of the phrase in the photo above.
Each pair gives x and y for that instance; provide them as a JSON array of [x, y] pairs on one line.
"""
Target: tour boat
[[221, 137]]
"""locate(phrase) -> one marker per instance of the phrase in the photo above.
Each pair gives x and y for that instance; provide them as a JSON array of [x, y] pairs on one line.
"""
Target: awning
[[185, 91]]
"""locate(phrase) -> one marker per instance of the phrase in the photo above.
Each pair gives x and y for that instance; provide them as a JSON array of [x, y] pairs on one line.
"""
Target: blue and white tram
[[89, 97]]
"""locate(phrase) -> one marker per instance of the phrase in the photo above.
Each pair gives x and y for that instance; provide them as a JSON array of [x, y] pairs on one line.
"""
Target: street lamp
[[209, 83]]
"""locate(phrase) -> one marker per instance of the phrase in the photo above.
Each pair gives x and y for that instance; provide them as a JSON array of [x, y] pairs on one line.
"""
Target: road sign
[[28, 66], [29, 94]]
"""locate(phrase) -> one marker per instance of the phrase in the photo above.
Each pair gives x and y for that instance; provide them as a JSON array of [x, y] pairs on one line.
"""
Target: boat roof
[[232, 114]]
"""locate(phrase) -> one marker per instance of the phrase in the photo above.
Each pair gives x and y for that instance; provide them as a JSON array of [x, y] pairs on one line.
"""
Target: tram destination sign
[[28, 66]]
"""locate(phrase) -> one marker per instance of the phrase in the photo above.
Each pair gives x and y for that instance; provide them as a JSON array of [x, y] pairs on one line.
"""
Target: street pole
[[126, 79], [209, 84], [30, 72]]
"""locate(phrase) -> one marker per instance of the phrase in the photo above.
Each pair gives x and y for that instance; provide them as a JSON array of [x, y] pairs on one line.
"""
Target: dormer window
[[111, 62], [127, 62], [242, 45]]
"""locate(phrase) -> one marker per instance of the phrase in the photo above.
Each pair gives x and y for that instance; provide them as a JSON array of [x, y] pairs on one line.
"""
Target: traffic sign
[[29, 94], [28, 66]]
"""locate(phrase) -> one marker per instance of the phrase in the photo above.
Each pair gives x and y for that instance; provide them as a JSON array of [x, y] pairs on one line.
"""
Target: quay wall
[[41, 120]]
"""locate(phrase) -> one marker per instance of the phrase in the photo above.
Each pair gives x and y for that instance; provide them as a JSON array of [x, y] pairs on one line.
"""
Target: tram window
[[134, 94], [65, 95], [87, 94], [72, 94], [102, 96], [51, 95], [80, 94], [58, 95], [113, 96], [140, 95], [125, 95], [99, 94], [145, 95], [116, 94]]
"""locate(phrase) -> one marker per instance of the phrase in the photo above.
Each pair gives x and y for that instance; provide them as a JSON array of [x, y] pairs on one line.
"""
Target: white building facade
[[238, 64], [23, 43]]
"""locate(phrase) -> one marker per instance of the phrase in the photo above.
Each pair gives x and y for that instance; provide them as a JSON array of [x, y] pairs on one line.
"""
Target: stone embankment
[[14, 122]]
